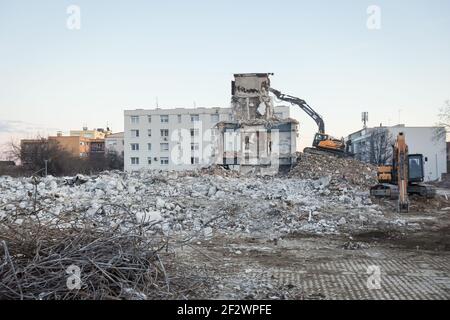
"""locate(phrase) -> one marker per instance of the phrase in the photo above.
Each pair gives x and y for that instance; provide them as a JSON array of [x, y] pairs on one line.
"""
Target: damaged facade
[[256, 139], [252, 135], [175, 139]]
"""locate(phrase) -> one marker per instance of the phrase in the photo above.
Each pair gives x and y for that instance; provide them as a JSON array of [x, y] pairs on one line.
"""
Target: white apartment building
[[174, 139], [115, 143], [420, 140]]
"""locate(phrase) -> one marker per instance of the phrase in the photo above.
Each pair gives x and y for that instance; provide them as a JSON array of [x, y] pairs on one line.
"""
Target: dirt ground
[[413, 263]]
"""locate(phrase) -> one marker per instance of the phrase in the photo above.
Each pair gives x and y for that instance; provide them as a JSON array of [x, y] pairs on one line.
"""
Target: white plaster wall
[[115, 143], [204, 126], [422, 140]]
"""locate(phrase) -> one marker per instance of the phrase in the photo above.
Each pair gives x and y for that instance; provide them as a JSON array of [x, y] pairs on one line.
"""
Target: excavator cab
[[416, 171], [318, 138], [324, 141]]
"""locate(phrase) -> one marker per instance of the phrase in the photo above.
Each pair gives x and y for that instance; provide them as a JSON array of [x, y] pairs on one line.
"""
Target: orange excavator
[[323, 143], [403, 177]]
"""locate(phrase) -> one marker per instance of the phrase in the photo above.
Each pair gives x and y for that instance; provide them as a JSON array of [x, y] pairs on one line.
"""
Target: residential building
[[175, 139], [115, 143], [420, 140], [77, 146], [97, 147], [7, 163], [29, 149], [91, 134]]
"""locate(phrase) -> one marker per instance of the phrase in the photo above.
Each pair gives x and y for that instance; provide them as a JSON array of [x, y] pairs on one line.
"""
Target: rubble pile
[[192, 205], [341, 171], [218, 170]]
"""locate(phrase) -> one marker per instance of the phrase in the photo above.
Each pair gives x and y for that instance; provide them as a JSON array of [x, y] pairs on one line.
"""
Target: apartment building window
[[179, 118], [134, 133], [279, 115], [195, 160], [149, 160], [135, 119], [149, 119], [247, 143], [195, 132], [230, 117], [164, 133], [135, 160], [195, 117], [164, 147], [194, 146], [164, 118], [135, 146], [215, 117], [164, 161], [149, 146], [149, 132]]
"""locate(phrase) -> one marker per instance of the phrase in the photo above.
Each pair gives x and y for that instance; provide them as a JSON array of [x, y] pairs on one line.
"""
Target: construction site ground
[[413, 264], [314, 233]]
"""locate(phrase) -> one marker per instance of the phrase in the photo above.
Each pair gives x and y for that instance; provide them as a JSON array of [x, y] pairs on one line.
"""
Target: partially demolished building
[[256, 139], [252, 135]]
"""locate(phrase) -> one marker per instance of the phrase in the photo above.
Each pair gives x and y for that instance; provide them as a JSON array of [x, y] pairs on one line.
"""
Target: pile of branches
[[43, 261]]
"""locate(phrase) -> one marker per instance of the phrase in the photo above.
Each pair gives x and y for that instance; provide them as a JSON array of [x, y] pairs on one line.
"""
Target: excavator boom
[[401, 164], [302, 104], [323, 143]]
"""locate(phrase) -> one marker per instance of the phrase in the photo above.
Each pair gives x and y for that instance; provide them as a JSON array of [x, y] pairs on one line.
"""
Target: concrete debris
[[77, 180], [197, 204], [205, 226], [335, 172]]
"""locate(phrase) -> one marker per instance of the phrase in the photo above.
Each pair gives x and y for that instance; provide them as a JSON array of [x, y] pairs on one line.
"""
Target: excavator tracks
[[385, 190]]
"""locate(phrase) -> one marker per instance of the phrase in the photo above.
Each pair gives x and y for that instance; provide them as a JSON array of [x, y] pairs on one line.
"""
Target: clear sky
[[127, 53]]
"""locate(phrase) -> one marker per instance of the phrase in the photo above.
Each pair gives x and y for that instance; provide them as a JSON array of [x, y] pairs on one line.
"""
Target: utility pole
[[45, 161]]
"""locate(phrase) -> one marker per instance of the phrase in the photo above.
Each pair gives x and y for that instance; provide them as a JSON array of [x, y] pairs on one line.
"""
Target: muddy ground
[[413, 263]]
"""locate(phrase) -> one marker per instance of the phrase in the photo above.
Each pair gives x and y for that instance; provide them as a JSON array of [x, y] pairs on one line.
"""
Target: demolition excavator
[[403, 177], [323, 143]]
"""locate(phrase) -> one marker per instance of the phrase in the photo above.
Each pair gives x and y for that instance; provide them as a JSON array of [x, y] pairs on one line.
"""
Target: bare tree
[[35, 154], [377, 148], [380, 145], [114, 160]]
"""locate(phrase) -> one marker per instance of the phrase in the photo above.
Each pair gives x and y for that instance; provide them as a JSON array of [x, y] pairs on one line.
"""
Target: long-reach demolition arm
[[401, 163], [302, 104]]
